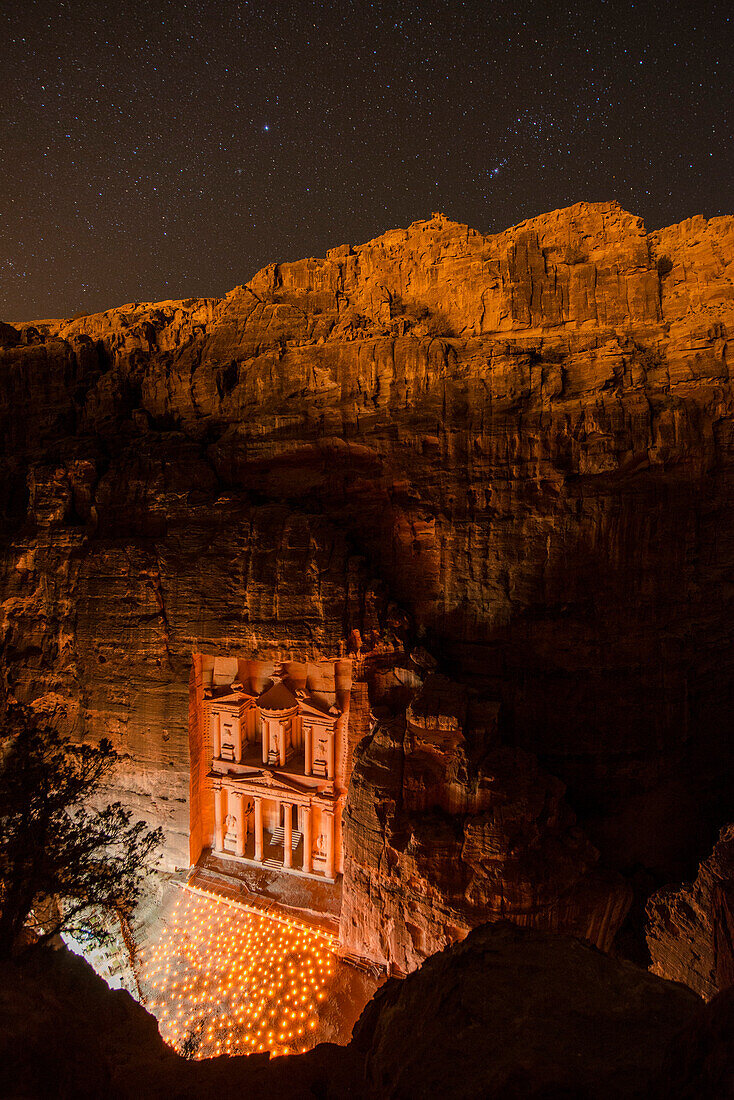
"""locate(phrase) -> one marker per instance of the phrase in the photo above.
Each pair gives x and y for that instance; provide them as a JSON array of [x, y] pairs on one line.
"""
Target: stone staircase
[[277, 838]]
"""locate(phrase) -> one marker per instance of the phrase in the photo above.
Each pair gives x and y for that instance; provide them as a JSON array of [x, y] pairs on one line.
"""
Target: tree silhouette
[[64, 863]]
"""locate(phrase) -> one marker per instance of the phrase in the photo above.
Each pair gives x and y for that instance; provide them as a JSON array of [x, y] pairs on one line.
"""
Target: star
[[370, 115]]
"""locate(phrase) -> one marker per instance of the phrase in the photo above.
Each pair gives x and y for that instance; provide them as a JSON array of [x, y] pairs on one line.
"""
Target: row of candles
[[224, 980]]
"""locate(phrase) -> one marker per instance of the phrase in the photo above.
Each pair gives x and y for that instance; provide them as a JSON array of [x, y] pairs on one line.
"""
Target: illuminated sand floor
[[222, 980]]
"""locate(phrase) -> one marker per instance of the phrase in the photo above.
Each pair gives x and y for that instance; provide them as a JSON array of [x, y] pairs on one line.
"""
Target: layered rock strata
[[446, 829], [690, 928], [525, 441]]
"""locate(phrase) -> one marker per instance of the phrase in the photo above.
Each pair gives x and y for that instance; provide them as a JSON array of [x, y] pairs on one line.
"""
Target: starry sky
[[155, 149]]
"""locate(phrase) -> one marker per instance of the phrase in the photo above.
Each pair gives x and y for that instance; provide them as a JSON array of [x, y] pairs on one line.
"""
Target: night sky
[[153, 149]]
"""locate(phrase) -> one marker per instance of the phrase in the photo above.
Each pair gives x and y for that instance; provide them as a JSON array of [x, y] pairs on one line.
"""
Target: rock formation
[[516, 450], [698, 1062], [515, 1014], [446, 829], [507, 1013], [690, 930]]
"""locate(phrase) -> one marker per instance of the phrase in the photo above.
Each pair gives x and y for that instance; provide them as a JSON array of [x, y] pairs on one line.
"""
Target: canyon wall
[[506, 1013], [515, 450], [447, 829], [690, 927]]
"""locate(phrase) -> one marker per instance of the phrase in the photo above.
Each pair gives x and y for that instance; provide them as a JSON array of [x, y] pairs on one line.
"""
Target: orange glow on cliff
[[224, 980]]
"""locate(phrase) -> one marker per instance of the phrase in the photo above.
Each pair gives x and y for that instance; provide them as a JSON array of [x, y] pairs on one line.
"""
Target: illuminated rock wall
[[446, 828], [690, 928], [221, 583], [527, 440]]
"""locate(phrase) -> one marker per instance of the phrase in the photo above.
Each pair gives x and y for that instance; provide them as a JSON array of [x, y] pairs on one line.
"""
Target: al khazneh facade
[[276, 746]]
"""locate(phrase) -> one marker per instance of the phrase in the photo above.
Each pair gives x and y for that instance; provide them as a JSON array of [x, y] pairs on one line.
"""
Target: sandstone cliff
[[514, 1014], [517, 449], [446, 828], [507, 1013], [690, 929]]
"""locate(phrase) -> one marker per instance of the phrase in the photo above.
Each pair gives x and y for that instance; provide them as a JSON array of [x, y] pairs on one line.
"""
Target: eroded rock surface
[[690, 929], [525, 441], [514, 1014], [446, 828], [507, 1013]]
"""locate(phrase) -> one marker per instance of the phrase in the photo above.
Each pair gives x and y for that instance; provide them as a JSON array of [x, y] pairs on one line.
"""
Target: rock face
[[699, 1062], [507, 1013], [447, 829], [690, 930], [517, 450], [513, 1014], [65, 1033]]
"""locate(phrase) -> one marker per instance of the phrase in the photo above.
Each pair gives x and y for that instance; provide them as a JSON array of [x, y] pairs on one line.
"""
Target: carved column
[[307, 748], [250, 732], [281, 744], [237, 731], [265, 731], [328, 819], [220, 798], [330, 755], [258, 829], [306, 827], [287, 834], [239, 810], [216, 735]]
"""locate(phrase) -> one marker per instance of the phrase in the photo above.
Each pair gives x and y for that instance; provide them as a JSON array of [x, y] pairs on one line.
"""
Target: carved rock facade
[[517, 450]]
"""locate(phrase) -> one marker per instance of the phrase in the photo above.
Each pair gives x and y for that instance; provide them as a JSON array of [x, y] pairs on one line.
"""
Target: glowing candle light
[[225, 971]]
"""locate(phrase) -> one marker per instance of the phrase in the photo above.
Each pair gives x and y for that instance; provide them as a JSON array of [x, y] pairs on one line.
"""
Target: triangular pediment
[[271, 782], [233, 698]]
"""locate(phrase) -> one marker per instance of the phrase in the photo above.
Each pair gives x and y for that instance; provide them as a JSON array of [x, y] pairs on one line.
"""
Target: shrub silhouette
[[64, 865], [665, 266]]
